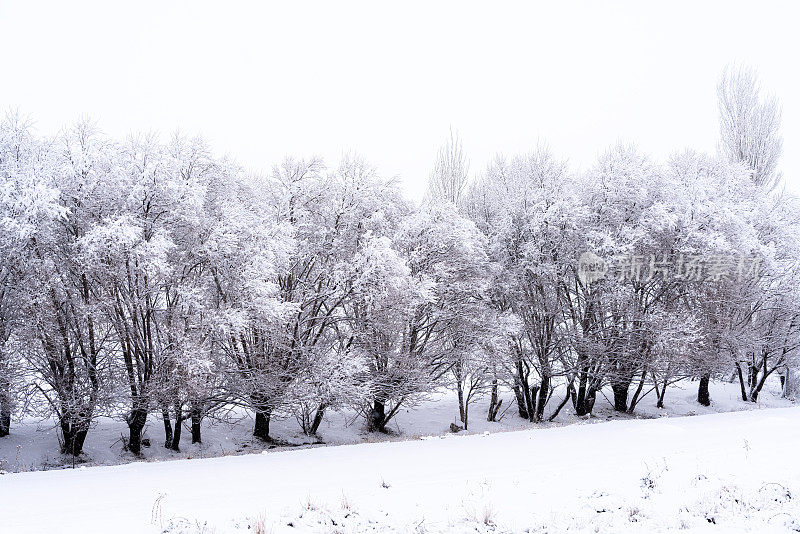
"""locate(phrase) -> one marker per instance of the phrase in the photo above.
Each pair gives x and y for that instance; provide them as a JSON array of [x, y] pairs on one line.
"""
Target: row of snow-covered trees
[[141, 278]]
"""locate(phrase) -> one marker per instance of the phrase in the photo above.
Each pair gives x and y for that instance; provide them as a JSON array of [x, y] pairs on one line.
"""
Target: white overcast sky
[[261, 81]]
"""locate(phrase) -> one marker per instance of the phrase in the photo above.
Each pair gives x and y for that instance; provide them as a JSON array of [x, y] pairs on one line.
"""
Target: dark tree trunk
[[522, 405], [5, 420], [530, 399], [741, 381], [581, 408], [136, 421], [74, 428], [176, 438], [377, 419], [584, 400], [522, 391], [460, 392], [703, 396], [261, 429], [635, 399], [5, 408], [494, 403], [760, 381], [661, 394], [73, 439], [544, 392], [317, 420], [620, 389], [196, 420], [591, 398], [167, 427], [752, 375], [73, 442]]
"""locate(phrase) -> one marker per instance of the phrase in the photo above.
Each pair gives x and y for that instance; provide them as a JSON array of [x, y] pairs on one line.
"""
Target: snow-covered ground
[[727, 472], [734, 472], [33, 444]]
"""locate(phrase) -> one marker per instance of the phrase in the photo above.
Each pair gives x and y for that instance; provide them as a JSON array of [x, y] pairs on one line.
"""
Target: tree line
[[143, 277]]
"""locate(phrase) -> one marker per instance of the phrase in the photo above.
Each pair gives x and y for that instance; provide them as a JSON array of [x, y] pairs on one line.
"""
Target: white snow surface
[[727, 472]]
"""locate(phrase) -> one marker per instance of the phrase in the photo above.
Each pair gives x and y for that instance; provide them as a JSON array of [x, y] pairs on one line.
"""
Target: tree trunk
[[544, 391], [661, 394], [73, 444], [591, 398], [377, 419], [5, 407], [522, 406], [317, 419], [460, 391], [760, 381], [530, 399], [261, 429], [703, 397], [196, 420], [635, 399], [73, 437], [581, 400], [494, 405], [620, 389], [741, 381], [176, 438], [5, 420], [752, 382], [136, 421], [167, 427], [752, 375], [523, 393]]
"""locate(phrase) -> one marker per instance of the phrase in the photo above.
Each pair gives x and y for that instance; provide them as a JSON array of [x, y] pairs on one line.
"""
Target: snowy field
[[735, 472], [727, 472]]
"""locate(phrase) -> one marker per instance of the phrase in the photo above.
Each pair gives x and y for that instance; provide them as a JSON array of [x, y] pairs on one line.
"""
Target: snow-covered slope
[[712, 473]]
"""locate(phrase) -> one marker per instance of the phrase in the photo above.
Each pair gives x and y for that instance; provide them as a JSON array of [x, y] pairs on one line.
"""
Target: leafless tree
[[749, 124], [448, 180]]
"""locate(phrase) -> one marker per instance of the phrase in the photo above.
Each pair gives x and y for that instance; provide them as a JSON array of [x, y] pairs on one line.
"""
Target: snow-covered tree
[[357, 205], [448, 180], [27, 205], [749, 125], [243, 249], [528, 208], [449, 251], [388, 331], [63, 300]]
